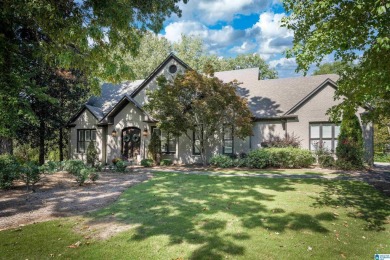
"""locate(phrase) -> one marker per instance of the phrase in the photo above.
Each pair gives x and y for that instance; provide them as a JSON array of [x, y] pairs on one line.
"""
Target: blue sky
[[232, 27]]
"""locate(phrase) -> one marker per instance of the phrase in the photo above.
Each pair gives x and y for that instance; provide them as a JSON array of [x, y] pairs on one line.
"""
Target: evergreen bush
[[166, 162], [222, 161], [9, 170], [147, 162], [92, 154], [349, 150]]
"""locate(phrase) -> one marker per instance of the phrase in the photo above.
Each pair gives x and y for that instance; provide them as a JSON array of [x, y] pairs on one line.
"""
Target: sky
[[232, 27]]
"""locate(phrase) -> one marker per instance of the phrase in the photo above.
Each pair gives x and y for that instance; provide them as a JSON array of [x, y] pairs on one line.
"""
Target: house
[[119, 126]]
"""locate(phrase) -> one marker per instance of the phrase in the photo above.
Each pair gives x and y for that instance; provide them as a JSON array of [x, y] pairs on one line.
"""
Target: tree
[[199, 103], [89, 36], [349, 148], [154, 146], [245, 61], [336, 67], [354, 31]]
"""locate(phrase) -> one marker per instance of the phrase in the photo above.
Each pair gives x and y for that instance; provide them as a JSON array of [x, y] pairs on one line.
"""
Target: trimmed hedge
[[268, 157]]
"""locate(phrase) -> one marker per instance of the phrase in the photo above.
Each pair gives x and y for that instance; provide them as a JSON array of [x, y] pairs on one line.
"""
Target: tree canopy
[[355, 32], [88, 36], [199, 103], [153, 50], [336, 67]]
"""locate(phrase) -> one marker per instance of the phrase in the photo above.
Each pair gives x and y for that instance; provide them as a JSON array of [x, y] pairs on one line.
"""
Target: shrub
[[279, 158], [147, 162], [94, 176], [166, 162], [120, 166], [92, 154], [222, 161], [83, 175], [349, 150], [115, 160], [287, 141], [326, 161], [74, 166], [30, 174], [258, 159], [9, 170], [51, 167]]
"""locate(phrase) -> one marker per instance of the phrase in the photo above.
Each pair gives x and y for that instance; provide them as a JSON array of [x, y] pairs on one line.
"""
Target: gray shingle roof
[[110, 95], [272, 97]]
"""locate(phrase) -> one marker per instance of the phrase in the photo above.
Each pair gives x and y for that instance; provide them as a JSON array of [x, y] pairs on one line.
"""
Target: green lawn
[[175, 216], [312, 172]]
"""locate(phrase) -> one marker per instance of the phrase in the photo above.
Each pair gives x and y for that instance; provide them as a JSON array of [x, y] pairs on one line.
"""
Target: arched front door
[[131, 142]]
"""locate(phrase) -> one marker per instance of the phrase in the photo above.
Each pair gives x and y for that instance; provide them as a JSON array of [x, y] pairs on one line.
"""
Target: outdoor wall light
[[145, 132], [114, 133]]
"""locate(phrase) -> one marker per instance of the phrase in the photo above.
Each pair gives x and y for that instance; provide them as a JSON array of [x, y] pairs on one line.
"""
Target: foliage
[[200, 103], [39, 39], [191, 49], [287, 141], [336, 67], [74, 166], [154, 146], [147, 162], [115, 160], [288, 157], [326, 161], [83, 175], [166, 162], [51, 167], [94, 176], [380, 157], [222, 161], [352, 31], [120, 166], [382, 135], [30, 174], [92, 154], [25, 153], [349, 150], [9, 170]]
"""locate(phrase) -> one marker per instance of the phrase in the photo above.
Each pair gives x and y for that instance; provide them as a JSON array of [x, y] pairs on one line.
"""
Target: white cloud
[[212, 11]]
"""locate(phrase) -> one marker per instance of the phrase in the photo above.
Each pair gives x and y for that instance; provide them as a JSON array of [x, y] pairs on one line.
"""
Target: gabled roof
[[157, 70], [121, 104], [275, 97]]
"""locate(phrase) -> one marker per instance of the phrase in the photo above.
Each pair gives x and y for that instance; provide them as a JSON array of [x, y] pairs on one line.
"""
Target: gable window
[[324, 135], [197, 139], [84, 137], [168, 143], [227, 139]]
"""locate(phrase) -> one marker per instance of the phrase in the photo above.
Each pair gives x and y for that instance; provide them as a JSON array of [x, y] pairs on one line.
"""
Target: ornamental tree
[[200, 103], [354, 32]]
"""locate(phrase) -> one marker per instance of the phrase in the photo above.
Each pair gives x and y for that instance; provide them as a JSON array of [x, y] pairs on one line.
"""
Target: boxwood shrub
[[147, 162], [222, 161], [166, 162], [288, 157]]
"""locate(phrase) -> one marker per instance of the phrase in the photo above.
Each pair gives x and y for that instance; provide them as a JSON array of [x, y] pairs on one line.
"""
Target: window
[[324, 135], [197, 139], [84, 137], [172, 69], [168, 143], [227, 139]]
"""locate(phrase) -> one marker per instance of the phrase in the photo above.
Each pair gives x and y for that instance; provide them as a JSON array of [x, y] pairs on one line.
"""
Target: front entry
[[131, 142]]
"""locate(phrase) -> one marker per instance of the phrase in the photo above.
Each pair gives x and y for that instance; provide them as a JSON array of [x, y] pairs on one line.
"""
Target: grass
[[269, 171], [175, 216], [382, 158]]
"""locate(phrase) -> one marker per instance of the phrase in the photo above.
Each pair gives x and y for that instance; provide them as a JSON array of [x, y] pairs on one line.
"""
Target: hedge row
[[267, 157]]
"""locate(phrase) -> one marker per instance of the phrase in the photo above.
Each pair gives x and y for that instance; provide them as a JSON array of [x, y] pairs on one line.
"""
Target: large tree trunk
[[41, 142], [61, 144], [6, 145]]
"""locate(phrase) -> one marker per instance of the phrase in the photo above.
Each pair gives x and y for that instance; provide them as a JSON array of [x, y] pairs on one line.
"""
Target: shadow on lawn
[[198, 210], [369, 204]]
